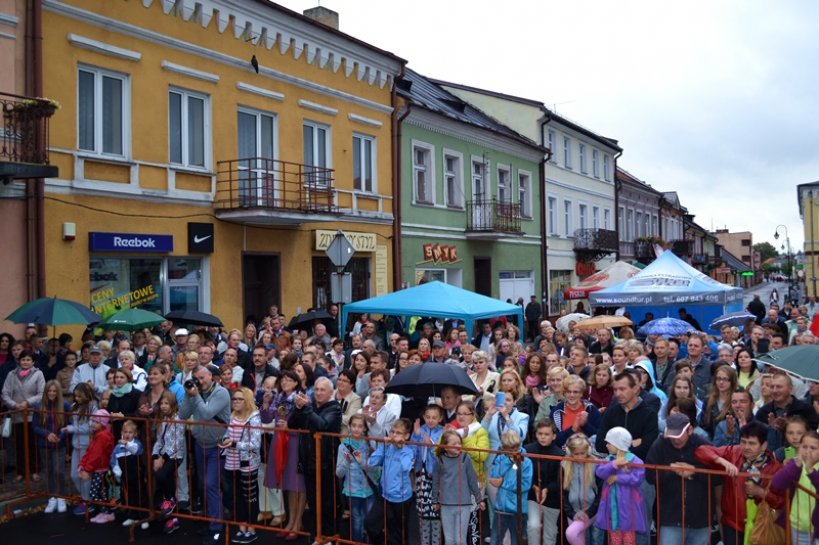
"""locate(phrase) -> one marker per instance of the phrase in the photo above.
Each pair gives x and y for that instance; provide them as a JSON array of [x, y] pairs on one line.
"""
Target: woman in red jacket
[[749, 467]]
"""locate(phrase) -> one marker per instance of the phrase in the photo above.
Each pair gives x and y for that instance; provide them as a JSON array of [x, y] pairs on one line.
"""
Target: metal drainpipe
[[617, 187], [396, 185], [544, 231], [39, 184]]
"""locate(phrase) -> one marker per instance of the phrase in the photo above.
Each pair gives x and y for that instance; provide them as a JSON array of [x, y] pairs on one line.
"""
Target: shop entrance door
[[261, 284], [483, 276]]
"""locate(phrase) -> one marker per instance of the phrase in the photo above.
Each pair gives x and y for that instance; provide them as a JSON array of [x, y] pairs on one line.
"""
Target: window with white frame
[[654, 231], [567, 152], [646, 224], [552, 136], [595, 164], [581, 148], [607, 219], [630, 224], [316, 143], [638, 229], [504, 184], [568, 226], [621, 217], [525, 193], [606, 168], [453, 179], [103, 106], [553, 216], [189, 128], [595, 217], [481, 192], [422, 174], [364, 163], [582, 215]]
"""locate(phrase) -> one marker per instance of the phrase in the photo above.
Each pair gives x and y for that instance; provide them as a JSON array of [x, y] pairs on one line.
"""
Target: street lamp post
[[789, 257]]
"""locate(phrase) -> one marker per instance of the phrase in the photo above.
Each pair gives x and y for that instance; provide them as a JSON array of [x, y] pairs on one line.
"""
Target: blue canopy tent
[[438, 300], [665, 286]]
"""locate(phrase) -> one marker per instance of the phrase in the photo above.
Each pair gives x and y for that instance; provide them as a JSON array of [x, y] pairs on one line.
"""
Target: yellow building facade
[[208, 151], [808, 195]]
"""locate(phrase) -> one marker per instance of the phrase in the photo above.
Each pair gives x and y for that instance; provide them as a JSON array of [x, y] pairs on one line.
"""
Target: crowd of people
[[555, 445]]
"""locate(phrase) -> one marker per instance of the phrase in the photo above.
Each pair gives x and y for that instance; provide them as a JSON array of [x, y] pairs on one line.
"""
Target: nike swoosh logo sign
[[197, 239]]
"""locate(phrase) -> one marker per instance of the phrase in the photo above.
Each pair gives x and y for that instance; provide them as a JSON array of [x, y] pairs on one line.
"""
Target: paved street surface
[[764, 292], [57, 529]]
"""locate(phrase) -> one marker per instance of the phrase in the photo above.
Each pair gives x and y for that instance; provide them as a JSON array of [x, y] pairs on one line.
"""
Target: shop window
[[558, 281], [322, 268], [156, 284]]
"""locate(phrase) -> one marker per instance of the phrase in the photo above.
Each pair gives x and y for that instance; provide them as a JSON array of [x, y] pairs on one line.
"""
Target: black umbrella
[[305, 320], [194, 317], [427, 380]]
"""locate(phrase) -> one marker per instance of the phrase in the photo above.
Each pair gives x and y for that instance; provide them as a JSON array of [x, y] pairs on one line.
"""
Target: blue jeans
[[673, 535], [649, 492], [53, 460], [359, 507], [506, 522], [208, 466]]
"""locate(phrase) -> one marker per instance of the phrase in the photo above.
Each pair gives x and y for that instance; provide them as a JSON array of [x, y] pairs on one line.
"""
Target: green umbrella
[[131, 319], [801, 360], [53, 311]]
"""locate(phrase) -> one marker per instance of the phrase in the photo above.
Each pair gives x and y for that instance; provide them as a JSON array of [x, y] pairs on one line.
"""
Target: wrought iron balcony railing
[[682, 248], [491, 215], [257, 182], [594, 244], [24, 137]]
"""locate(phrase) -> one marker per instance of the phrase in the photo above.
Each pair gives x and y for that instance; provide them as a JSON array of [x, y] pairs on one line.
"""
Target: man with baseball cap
[[439, 353], [684, 517], [92, 373]]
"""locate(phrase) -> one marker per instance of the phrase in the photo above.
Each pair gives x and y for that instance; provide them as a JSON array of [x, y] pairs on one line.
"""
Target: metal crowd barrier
[[34, 476]]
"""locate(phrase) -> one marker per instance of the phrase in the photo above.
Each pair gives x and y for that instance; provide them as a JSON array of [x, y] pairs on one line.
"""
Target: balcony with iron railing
[[682, 248], [24, 137], [594, 244], [261, 190], [492, 218]]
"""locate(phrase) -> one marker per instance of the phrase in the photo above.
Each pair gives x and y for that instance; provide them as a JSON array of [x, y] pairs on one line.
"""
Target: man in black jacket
[[640, 420], [684, 509], [782, 405], [532, 314], [323, 415]]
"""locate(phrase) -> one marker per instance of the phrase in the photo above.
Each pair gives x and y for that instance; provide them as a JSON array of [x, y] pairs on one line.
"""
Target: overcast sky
[[718, 100]]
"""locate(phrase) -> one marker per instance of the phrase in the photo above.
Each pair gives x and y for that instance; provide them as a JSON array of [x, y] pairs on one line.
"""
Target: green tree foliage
[[766, 250]]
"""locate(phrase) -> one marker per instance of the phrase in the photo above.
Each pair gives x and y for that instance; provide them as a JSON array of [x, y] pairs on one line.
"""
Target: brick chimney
[[323, 15]]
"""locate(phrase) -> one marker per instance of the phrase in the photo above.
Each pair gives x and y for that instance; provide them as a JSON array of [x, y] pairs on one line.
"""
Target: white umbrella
[[563, 322]]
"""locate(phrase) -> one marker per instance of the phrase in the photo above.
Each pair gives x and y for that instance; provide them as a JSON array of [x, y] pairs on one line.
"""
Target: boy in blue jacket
[[397, 461], [512, 475]]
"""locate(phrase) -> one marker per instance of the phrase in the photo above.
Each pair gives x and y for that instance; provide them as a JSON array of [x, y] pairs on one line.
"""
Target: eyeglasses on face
[[465, 414]]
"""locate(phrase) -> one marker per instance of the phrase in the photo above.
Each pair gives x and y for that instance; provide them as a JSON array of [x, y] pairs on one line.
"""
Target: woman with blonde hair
[[242, 444], [512, 383], [554, 377]]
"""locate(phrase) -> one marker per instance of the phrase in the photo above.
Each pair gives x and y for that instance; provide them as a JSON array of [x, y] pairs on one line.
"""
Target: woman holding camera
[[241, 444]]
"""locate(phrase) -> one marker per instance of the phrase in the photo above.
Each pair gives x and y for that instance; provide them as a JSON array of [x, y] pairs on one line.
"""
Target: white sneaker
[[128, 522], [61, 505], [145, 525], [52, 506]]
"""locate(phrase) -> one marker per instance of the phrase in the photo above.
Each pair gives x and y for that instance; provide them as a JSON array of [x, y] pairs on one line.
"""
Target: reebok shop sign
[[129, 242]]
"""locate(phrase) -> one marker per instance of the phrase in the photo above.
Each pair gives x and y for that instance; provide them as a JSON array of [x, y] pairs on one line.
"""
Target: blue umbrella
[[732, 319], [666, 326]]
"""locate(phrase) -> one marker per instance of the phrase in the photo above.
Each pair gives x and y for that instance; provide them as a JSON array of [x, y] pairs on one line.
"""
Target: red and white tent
[[610, 276]]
